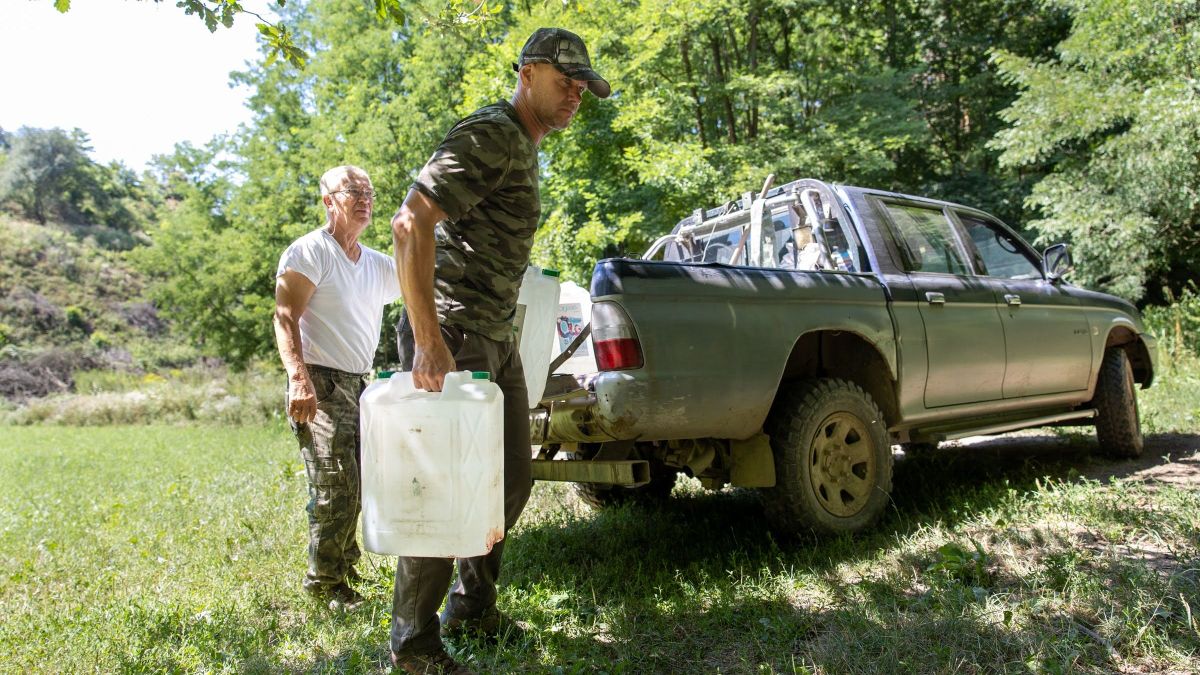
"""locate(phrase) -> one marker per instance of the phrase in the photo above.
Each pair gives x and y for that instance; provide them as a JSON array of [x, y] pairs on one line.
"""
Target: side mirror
[[1056, 262]]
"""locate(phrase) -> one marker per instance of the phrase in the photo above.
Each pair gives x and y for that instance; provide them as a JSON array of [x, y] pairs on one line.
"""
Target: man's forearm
[[287, 340]]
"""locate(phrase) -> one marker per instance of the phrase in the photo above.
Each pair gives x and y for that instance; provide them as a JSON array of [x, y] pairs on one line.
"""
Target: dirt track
[[1168, 458]]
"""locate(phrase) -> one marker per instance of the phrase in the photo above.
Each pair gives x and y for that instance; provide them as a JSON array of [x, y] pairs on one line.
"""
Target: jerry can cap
[[384, 374], [480, 375], [550, 273]]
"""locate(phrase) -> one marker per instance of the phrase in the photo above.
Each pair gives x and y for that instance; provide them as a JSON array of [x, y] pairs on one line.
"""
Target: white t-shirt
[[340, 327]]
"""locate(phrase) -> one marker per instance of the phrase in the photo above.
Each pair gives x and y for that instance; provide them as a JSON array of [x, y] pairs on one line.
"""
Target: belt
[[312, 367]]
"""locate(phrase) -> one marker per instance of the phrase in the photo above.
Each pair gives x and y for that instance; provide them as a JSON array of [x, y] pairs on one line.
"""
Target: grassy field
[[174, 549]]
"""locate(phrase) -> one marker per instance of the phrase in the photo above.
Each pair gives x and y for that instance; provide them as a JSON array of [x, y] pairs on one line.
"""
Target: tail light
[[615, 340]]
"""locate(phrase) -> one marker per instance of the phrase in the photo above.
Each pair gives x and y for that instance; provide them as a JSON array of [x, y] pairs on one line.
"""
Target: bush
[[163, 354], [1177, 325]]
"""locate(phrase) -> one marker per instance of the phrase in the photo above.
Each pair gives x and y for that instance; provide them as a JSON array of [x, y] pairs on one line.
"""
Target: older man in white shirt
[[330, 291]]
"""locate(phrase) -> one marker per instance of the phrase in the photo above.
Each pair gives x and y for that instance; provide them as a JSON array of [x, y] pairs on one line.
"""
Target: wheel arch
[[846, 355], [1136, 350]]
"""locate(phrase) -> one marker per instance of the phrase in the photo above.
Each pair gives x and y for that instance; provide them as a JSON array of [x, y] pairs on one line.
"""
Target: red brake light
[[613, 336]]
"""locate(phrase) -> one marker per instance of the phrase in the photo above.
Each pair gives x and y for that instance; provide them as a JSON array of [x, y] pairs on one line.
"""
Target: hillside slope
[[68, 304]]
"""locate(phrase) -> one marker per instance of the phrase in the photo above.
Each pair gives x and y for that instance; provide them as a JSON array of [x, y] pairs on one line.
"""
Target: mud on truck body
[[786, 341]]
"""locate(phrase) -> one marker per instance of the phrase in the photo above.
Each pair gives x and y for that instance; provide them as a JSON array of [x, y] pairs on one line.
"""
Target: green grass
[[1172, 403], [152, 549]]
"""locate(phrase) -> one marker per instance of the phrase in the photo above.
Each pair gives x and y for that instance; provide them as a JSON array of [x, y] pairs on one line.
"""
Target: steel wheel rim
[[842, 465]]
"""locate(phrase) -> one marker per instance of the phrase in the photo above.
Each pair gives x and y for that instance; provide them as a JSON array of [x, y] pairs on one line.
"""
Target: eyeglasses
[[357, 194]]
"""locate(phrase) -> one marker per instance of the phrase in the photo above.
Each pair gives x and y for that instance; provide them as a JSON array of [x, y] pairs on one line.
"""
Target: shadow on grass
[[656, 578], [700, 583]]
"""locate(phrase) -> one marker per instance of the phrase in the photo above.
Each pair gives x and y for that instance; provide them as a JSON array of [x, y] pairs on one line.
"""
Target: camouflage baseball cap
[[566, 52]]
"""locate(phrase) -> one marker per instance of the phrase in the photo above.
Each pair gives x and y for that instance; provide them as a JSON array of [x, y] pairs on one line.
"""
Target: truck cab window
[[928, 239], [717, 245], [1000, 254]]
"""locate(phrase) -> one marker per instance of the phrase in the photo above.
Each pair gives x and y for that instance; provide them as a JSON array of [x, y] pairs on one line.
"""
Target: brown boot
[[433, 663]]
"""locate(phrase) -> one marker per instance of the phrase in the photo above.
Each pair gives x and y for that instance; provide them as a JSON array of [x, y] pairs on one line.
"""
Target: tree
[[47, 174], [205, 275], [1115, 119], [711, 97]]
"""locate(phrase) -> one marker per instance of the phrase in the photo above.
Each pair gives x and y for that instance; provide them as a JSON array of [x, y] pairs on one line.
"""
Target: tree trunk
[[730, 121], [684, 49], [785, 36], [752, 48]]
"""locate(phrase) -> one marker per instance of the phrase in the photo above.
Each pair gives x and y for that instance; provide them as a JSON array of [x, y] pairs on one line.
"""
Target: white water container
[[534, 327], [433, 466], [574, 312]]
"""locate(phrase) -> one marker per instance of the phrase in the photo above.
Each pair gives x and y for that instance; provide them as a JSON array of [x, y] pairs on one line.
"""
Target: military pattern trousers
[[330, 448], [421, 583]]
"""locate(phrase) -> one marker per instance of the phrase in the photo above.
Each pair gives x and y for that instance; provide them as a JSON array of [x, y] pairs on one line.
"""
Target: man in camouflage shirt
[[463, 237]]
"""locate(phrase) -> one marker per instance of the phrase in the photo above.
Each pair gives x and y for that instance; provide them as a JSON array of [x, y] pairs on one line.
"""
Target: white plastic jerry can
[[432, 466], [537, 303], [574, 312]]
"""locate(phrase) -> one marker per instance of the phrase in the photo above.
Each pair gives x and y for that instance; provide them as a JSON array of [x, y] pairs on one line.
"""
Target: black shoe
[[491, 626], [438, 662], [340, 597]]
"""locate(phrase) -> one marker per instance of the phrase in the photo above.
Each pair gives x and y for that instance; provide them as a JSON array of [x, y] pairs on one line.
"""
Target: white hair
[[332, 179]]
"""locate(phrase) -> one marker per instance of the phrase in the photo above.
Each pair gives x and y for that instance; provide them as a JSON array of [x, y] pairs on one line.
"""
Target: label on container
[[569, 325]]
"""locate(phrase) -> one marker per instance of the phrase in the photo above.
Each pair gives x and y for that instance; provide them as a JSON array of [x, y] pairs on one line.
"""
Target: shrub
[[1177, 325]]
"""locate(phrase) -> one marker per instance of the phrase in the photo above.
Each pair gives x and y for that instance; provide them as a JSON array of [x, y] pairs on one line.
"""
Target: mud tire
[[833, 459], [1117, 427]]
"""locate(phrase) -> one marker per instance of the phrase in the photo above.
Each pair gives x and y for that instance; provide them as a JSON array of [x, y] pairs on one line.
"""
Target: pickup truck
[[787, 340]]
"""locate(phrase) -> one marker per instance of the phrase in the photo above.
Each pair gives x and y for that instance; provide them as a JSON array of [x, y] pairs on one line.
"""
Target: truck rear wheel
[[1117, 426], [833, 459]]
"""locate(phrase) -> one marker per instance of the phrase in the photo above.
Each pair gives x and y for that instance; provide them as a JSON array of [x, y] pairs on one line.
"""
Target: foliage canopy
[[1115, 116], [1070, 119]]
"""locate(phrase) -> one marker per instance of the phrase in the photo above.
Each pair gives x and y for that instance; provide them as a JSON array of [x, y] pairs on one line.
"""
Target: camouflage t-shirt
[[484, 175]]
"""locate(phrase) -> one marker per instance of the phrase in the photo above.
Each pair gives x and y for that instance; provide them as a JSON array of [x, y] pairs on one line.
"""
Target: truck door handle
[[935, 298], [1012, 299]]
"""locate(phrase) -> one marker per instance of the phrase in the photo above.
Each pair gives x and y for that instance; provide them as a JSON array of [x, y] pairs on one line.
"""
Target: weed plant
[[166, 549]]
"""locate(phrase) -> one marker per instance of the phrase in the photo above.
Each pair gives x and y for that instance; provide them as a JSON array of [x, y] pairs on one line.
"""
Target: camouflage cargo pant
[[330, 448]]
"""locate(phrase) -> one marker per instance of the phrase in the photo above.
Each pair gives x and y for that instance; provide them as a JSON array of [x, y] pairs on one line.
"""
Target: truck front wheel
[[1117, 428], [833, 459]]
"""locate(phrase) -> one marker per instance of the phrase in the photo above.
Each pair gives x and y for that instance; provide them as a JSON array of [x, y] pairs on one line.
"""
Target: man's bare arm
[[412, 235], [292, 293]]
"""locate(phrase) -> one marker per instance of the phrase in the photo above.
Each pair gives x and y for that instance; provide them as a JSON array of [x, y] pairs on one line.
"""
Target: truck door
[[1048, 349], [964, 339]]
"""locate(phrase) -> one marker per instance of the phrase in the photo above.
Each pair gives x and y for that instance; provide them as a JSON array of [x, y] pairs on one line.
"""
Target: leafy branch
[[454, 15]]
